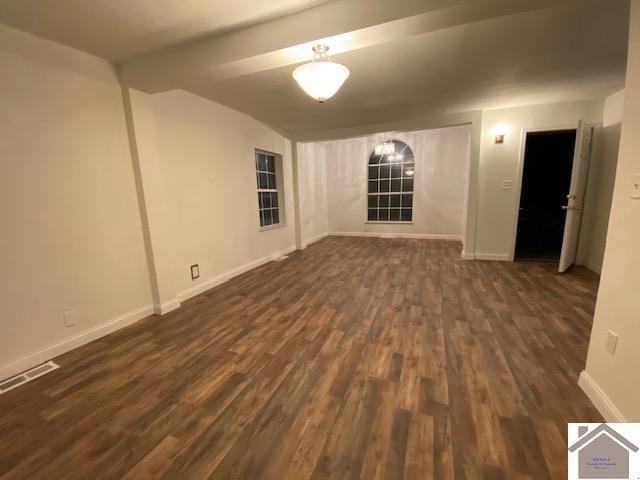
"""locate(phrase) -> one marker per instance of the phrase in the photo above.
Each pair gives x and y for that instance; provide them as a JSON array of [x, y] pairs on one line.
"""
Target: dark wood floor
[[357, 358]]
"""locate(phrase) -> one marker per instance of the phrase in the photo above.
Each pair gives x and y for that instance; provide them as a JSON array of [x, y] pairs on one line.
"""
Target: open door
[[575, 198]]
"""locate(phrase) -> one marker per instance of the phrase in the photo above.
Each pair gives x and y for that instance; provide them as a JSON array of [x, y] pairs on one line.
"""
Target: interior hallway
[[355, 358]]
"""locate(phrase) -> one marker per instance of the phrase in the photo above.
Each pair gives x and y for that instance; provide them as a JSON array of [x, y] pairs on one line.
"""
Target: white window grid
[[378, 180], [271, 209]]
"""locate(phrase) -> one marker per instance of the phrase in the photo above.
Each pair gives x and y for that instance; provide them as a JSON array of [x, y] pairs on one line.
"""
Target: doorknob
[[566, 207], [571, 197]]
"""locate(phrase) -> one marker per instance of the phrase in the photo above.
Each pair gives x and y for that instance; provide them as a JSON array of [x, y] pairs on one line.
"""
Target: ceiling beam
[[345, 25]]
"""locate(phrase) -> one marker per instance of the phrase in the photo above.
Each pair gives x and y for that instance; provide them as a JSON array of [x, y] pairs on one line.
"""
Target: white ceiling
[[405, 56], [118, 29], [549, 55]]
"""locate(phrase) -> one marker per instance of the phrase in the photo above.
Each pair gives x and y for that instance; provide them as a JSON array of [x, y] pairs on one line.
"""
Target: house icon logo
[[603, 452]]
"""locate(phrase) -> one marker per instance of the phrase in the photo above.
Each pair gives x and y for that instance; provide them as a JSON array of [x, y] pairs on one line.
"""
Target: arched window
[[391, 172]]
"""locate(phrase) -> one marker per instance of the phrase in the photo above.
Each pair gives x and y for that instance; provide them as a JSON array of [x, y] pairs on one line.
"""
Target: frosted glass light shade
[[321, 79]]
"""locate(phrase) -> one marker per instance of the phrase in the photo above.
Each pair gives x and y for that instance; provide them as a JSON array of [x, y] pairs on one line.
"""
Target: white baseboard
[[315, 239], [220, 279], [167, 307], [600, 399], [500, 257], [468, 256], [51, 351], [424, 236], [63, 346]]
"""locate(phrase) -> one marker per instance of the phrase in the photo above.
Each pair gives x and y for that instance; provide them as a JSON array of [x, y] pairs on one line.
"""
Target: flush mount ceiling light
[[321, 78]]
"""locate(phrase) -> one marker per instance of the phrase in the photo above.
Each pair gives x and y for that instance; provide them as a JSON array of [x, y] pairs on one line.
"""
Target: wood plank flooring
[[356, 358]]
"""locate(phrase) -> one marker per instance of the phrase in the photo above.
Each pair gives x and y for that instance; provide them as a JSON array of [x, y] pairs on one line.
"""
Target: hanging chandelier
[[321, 78], [385, 148]]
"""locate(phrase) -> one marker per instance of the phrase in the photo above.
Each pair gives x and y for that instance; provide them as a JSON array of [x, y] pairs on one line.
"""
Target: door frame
[[520, 174]]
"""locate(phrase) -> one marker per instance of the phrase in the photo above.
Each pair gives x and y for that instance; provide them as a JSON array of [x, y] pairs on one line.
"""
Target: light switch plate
[[195, 271]]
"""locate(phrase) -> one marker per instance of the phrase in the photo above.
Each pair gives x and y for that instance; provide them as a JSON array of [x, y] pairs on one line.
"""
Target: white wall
[[71, 236], [442, 164], [206, 169], [613, 109], [499, 162], [613, 381], [312, 184]]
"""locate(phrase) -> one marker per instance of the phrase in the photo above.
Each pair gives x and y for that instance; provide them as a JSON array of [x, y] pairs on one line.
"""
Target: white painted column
[[153, 199]]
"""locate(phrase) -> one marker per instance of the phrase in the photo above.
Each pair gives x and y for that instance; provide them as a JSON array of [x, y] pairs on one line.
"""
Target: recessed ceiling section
[[548, 55]]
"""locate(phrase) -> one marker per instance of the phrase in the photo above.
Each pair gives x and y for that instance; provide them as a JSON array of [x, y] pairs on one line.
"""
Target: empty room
[[319, 239]]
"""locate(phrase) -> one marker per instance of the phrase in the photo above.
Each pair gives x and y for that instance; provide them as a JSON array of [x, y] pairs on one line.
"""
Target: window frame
[[279, 182], [390, 193]]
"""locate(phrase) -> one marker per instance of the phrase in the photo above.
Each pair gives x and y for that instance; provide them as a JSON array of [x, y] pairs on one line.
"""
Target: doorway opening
[[546, 182]]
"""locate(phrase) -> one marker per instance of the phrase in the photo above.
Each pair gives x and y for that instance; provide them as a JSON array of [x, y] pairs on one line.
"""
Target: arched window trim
[[390, 183]]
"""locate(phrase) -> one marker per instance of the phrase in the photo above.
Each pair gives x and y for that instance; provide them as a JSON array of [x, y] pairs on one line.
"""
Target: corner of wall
[[613, 109], [613, 379], [152, 197]]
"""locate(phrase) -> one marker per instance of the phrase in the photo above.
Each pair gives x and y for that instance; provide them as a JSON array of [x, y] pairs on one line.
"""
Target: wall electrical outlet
[[635, 187], [195, 271], [70, 318], [612, 342]]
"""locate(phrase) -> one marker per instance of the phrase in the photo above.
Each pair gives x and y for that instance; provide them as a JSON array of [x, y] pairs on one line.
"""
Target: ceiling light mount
[[321, 78], [320, 52]]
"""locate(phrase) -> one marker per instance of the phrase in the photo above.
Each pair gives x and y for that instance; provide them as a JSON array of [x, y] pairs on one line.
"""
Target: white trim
[[468, 255], [166, 307], [500, 257], [265, 152], [518, 191], [39, 357], [472, 183], [315, 239], [63, 346], [600, 399], [273, 226], [220, 279], [382, 222], [426, 236]]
